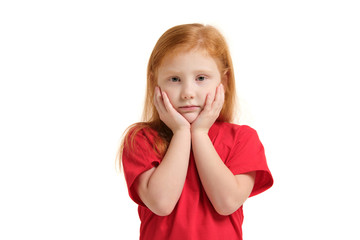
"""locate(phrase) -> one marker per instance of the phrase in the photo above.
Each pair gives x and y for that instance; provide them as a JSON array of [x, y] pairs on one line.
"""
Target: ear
[[225, 78], [151, 80], [151, 76]]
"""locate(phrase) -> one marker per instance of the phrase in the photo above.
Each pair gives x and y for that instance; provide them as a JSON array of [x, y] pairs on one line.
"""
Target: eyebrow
[[177, 72]]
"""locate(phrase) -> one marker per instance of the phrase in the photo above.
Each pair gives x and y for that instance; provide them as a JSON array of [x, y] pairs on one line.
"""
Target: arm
[[160, 188], [226, 191]]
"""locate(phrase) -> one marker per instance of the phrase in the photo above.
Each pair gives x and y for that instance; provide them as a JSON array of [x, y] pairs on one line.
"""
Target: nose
[[187, 91]]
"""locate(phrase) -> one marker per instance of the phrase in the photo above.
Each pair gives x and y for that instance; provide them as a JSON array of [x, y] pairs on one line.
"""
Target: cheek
[[211, 90], [204, 94], [171, 93], [203, 97]]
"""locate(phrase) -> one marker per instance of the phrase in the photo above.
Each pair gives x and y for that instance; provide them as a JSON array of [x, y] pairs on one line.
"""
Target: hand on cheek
[[168, 114], [211, 111]]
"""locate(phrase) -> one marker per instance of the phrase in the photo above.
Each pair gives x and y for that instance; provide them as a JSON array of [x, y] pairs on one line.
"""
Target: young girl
[[186, 165]]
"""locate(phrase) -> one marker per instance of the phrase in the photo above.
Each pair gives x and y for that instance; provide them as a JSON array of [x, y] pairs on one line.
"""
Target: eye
[[201, 78], [174, 79]]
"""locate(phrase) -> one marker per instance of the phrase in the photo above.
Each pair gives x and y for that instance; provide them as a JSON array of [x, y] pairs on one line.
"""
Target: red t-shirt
[[194, 218]]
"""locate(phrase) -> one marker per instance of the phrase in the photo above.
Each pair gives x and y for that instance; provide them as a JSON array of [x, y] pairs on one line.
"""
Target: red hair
[[184, 38]]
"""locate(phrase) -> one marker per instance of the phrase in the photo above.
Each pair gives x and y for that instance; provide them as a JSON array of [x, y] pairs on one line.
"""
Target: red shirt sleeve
[[247, 155], [138, 158]]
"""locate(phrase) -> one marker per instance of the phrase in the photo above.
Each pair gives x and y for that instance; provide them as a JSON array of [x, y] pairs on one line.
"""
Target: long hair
[[184, 38]]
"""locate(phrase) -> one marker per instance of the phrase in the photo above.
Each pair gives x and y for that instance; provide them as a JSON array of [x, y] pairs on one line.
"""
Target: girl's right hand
[[172, 118]]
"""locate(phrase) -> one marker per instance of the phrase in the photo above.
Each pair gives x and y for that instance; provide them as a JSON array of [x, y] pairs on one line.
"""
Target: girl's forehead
[[183, 50], [174, 56], [188, 53]]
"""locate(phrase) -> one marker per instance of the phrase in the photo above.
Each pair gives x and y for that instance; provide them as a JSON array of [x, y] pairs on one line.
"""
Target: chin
[[190, 117]]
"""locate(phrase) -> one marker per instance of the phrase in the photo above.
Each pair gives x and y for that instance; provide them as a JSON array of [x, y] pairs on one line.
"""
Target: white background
[[73, 78]]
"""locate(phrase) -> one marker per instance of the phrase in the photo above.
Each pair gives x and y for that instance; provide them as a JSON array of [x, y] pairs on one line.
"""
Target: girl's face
[[187, 78]]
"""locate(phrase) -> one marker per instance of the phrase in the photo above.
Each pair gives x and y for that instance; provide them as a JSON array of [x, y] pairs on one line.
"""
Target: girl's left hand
[[211, 111]]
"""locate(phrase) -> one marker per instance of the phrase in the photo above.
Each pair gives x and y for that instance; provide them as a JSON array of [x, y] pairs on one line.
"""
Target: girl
[[186, 165]]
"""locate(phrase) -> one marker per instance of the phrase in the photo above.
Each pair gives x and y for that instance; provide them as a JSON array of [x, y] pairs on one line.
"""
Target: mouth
[[189, 108]]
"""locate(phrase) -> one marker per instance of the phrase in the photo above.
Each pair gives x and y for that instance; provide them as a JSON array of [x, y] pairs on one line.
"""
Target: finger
[[167, 102], [209, 101], [158, 101], [219, 98]]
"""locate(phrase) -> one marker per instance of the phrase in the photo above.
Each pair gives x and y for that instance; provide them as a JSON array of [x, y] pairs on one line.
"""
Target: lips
[[189, 108]]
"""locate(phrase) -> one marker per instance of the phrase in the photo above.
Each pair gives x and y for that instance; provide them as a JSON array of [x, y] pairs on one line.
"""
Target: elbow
[[228, 207], [162, 209], [162, 212], [225, 211]]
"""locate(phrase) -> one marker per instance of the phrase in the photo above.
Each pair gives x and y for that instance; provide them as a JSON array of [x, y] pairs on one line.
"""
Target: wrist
[[182, 131], [199, 132]]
